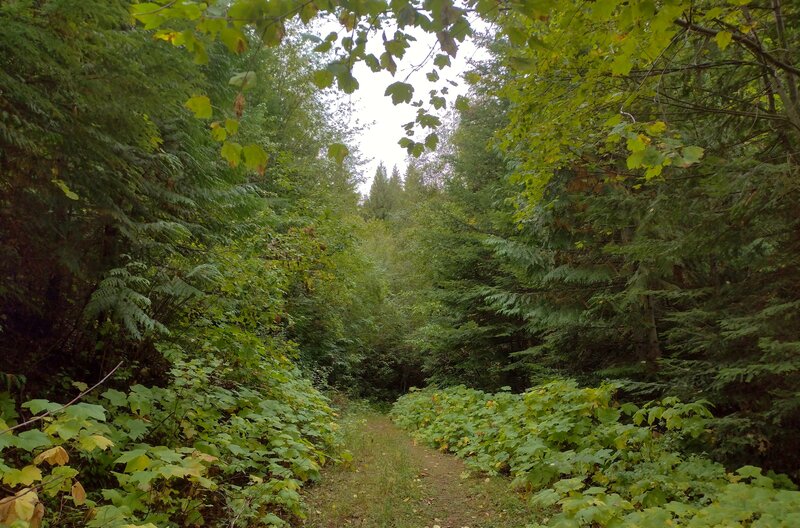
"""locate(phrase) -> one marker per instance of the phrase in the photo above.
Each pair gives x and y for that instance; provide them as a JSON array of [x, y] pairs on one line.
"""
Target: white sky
[[382, 121]]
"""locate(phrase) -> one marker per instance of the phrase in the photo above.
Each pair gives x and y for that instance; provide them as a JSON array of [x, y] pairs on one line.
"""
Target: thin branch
[[75, 399], [691, 67], [168, 5], [746, 42]]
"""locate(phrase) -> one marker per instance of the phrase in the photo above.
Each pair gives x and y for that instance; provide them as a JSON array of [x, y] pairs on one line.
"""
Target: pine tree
[[385, 194], [413, 184]]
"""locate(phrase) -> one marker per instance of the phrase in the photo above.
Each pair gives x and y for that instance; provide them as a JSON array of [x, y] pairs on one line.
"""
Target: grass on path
[[393, 483]]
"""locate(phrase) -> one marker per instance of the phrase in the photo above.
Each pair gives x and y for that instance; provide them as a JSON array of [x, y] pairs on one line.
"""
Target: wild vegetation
[[603, 235], [131, 248], [546, 245], [601, 463]]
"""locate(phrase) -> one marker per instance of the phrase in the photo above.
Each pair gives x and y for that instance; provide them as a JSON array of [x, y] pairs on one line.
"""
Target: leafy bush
[[209, 448], [601, 462]]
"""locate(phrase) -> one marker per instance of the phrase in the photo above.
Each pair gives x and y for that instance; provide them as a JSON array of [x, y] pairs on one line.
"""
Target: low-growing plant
[[598, 461], [204, 448]]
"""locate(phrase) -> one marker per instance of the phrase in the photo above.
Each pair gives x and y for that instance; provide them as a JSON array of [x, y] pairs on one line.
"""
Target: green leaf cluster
[[594, 461]]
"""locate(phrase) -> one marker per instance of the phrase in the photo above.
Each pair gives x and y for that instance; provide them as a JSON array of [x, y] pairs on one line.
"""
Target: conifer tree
[[385, 194]]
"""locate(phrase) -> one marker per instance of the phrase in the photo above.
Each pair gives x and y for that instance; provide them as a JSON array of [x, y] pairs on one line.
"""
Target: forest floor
[[394, 483]]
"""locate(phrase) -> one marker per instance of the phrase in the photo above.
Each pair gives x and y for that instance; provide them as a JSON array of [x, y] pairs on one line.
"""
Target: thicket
[[591, 460], [132, 246], [617, 199]]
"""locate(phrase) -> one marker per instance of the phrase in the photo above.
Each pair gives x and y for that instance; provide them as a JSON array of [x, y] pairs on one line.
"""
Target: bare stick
[[78, 397]]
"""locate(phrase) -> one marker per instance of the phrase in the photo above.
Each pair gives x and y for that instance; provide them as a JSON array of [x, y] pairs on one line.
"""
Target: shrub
[[599, 462], [213, 447]]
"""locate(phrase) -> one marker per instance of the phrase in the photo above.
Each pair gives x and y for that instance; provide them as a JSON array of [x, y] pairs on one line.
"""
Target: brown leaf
[[204, 457], [23, 506], [238, 104], [38, 515], [6, 507], [78, 493], [55, 456]]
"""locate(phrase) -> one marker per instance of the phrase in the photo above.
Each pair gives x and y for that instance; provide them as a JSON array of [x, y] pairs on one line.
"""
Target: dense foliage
[[598, 462], [129, 241], [205, 449], [615, 199], [619, 201]]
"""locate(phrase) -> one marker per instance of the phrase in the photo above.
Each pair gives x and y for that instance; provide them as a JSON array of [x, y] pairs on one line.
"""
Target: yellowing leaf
[[233, 39], [338, 152], [255, 158], [723, 38], [218, 132], [656, 128], [149, 14], [25, 504], [308, 12], [90, 443], [25, 476], [59, 479], [30, 474], [712, 13], [231, 126], [137, 464], [232, 152], [637, 143], [78, 493], [173, 37], [65, 189], [55, 456], [634, 161], [200, 105]]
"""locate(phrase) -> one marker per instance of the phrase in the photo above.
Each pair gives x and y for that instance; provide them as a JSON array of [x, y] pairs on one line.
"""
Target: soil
[[395, 483]]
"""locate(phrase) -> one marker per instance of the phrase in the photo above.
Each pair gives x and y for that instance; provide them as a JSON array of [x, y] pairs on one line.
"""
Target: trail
[[394, 483]]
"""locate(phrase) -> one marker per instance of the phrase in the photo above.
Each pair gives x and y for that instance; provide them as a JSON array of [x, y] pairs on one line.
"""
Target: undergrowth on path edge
[[600, 461]]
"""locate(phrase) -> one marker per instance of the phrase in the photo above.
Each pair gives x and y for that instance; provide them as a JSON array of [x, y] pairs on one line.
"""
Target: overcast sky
[[382, 120]]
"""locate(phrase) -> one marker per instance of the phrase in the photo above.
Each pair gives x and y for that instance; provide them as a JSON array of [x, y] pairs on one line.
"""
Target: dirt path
[[393, 483]]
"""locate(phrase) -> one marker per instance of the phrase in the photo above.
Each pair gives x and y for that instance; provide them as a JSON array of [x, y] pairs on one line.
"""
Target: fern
[[122, 297]]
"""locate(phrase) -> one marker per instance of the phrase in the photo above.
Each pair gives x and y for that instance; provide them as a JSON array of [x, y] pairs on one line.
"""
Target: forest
[[577, 304]]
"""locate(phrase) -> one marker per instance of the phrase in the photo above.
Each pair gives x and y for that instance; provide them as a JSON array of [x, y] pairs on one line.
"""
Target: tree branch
[[746, 42], [75, 399]]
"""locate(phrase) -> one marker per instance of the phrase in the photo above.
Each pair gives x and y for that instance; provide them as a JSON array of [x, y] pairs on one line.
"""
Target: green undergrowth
[[204, 450], [598, 461]]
